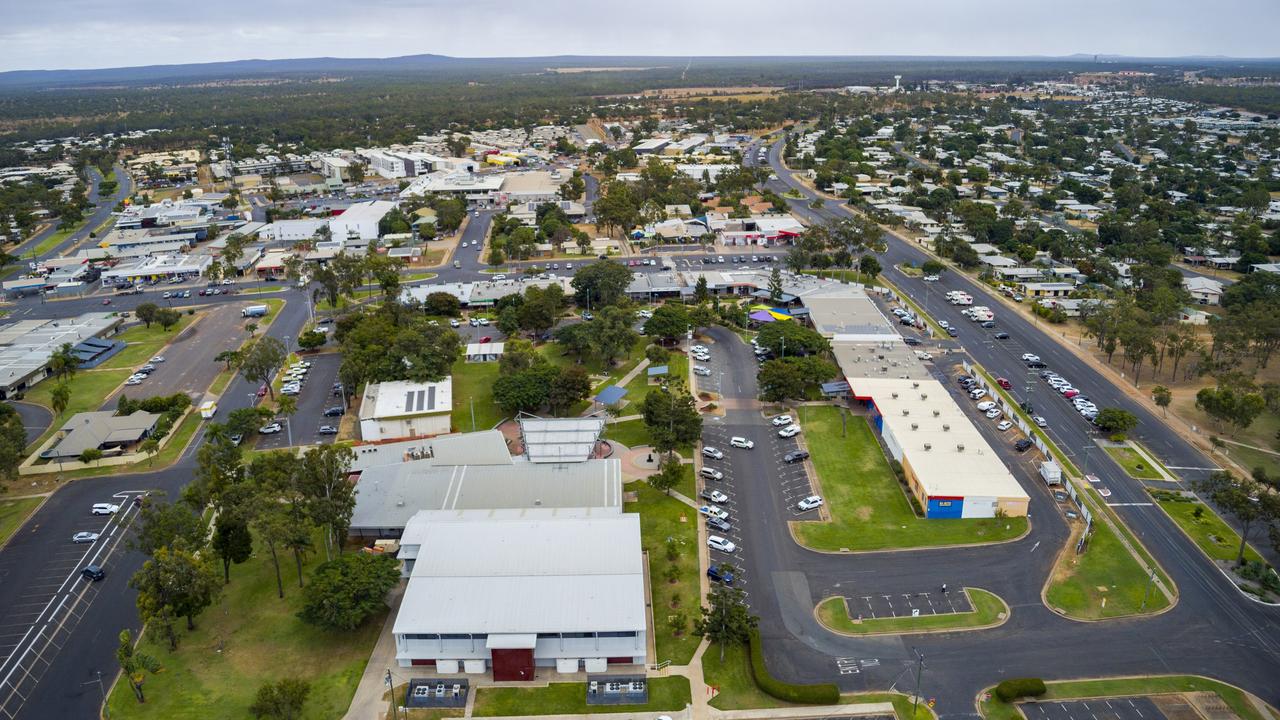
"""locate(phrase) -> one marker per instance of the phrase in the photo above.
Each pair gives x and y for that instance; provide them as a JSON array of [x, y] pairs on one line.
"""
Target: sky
[[61, 34]]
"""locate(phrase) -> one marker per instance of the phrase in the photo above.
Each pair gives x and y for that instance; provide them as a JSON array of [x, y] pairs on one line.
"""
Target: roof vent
[[936, 413], [905, 412], [945, 427], [928, 446], [924, 396], [400, 502], [915, 385], [959, 447], [915, 426], [537, 502], [895, 396]]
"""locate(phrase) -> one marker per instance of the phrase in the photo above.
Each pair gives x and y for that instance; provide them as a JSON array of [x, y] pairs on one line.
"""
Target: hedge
[[817, 694], [1014, 688]]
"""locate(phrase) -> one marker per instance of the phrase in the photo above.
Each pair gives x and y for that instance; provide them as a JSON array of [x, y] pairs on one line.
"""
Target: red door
[[513, 664]]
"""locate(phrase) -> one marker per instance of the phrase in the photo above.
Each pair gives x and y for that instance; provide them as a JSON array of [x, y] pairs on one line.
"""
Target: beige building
[[404, 409]]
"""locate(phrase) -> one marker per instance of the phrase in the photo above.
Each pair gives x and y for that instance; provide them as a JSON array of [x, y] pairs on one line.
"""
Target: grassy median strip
[[1133, 463], [142, 343], [736, 688], [1214, 536], [673, 582], [248, 637], [1105, 582], [988, 610], [1237, 699], [869, 507], [666, 694], [13, 513]]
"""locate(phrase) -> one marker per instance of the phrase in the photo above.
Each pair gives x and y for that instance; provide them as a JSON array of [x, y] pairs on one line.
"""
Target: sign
[[915, 612]]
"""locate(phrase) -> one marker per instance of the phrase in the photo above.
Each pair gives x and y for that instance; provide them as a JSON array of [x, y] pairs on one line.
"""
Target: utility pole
[[915, 702], [391, 686], [1147, 593], [106, 711]]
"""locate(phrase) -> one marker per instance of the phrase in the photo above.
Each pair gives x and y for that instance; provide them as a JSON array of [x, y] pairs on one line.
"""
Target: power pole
[[915, 702]]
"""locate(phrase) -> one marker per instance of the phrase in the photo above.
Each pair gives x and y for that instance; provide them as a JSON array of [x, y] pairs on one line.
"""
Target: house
[[1047, 289], [1192, 316], [509, 594], [404, 408], [103, 430], [1205, 291], [484, 352]]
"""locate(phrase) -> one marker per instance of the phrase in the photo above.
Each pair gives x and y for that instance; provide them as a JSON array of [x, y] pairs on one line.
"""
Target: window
[[421, 636], [455, 636], [548, 636], [572, 635], [629, 634]]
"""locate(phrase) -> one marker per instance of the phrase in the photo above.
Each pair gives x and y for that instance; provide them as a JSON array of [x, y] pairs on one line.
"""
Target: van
[[711, 473]]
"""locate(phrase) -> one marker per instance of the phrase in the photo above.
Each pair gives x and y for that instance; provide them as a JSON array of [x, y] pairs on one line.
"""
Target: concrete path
[[367, 703]]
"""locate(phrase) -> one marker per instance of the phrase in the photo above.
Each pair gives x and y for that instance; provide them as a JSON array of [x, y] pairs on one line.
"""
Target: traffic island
[[986, 610]]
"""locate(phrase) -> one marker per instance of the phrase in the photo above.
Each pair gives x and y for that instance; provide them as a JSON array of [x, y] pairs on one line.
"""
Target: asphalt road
[[316, 396], [35, 418], [96, 217]]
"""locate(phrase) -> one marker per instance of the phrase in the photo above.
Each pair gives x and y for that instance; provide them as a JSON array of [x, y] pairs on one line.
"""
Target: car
[[1004, 383], [977, 394], [987, 324], [335, 411], [94, 573], [711, 473], [994, 413], [1059, 496], [795, 456], [453, 323], [486, 339], [714, 496], [899, 312], [327, 430], [1001, 336], [952, 332], [1070, 392], [104, 509], [813, 502], [463, 244], [965, 380], [1022, 445], [237, 439], [715, 542], [741, 442], [1029, 357], [702, 357], [719, 525], [165, 295], [920, 354], [911, 340], [930, 278], [1039, 421], [698, 348], [789, 431], [782, 420], [702, 370], [1003, 425], [133, 381], [720, 574], [1036, 364], [986, 405], [713, 453], [907, 320], [484, 322], [474, 322], [944, 324], [84, 537], [157, 359], [148, 368], [270, 428], [713, 511]]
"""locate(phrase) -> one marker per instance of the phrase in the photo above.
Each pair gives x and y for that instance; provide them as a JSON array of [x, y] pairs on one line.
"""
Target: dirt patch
[[863, 513], [1193, 706]]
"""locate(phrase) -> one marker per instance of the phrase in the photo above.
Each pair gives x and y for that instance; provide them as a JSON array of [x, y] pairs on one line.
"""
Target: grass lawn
[[686, 486], [737, 688], [44, 246], [631, 433], [666, 694], [223, 379], [13, 513], [474, 381], [142, 342], [623, 365], [246, 638], [1214, 536], [1106, 572], [1133, 463], [994, 709], [674, 604], [987, 609], [849, 276], [869, 509], [1250, 459], [418, 277], [639, 387], [88, 389]]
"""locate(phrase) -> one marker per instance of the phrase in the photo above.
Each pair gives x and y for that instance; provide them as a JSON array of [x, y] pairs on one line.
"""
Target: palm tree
[[60, 397], [63, 363]]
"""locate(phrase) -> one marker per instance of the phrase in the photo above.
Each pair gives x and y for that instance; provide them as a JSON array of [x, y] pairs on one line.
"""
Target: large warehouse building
[[509, 595]]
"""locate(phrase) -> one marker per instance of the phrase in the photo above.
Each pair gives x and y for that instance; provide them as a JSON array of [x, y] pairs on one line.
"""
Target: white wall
[[545, 653], [978, 507], [374, 429]]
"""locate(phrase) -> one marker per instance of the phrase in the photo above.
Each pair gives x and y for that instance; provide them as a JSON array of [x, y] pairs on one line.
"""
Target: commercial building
[[159, 267], [510, 595], [113, 434], [292, 230], [360, 221], [27, 345], [404, 409]]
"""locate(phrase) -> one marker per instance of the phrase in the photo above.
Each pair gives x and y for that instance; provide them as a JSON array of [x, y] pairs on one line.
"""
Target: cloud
[[90, 33]]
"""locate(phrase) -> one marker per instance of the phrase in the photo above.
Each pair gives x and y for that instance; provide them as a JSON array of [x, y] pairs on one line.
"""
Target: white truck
[[254, 311], [208, 410]]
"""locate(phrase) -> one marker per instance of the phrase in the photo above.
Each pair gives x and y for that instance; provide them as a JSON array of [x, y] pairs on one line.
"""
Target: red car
[[485, 339], [262, 391], [1004, 383], [107, 301]]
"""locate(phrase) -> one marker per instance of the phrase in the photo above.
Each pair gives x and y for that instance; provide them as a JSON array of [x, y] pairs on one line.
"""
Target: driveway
[[317, 394]]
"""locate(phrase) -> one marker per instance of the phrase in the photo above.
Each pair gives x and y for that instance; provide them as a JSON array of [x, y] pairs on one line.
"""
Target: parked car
[[715, 542], [335, 411], [714, 496], [327, 430], [237, 439], [84, 537], [713, 453], [157, 359], [1036, 364], [1004, 383], [795, 456], [711, 473], [1004, 425], [719, 525], [701, 370], [986, 405], [1039, 421], [94, 573], [270, 428], [789, 431], [1001, 336], [994, 413], [104, 509], [813, 502], [741, 442], [720, 575], [713, 511], [782, 420], [1029, 357], [1022, 445]]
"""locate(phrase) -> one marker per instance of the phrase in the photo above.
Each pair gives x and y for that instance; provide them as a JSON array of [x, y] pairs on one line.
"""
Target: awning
[[513, 641]]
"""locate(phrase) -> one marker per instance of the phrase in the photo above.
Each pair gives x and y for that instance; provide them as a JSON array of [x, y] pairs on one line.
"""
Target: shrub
[[1014, 688], [1117, 437], [816, 694], [656, 354]]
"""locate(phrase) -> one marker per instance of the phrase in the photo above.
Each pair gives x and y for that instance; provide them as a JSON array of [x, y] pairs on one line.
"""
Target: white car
[[270, 429], [715, 542], [1004, 425], [994, 413], [977, 394], [716, 496], [813, 502], [105, 509], [84, 537], [702, 356], [782, 420], [714, 511], [985, 406], [930, 278], [157, 358], [789, 431], [454, 323], [133, 381], [484, 322], [702, 370], [713, 453], [699, 349], [1030, 357], [923, 355], [741, 442], [711, 473], [1039, 421]]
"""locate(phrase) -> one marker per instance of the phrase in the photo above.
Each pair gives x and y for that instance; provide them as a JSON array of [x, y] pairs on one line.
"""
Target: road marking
[[1129, 504], [1033, 547]]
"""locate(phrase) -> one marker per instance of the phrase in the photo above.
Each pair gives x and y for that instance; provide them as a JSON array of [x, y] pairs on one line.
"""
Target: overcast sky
[[54, 34]]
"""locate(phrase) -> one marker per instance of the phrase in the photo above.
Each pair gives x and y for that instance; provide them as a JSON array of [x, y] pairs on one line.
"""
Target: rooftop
[[404, 398], [556, 440]]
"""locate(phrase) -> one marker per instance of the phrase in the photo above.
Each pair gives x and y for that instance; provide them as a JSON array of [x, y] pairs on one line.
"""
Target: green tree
[[933, 267], [345, 592], [146, 312], [230, 357], [166, 525], [612, 333], [669, 321], [569, 387], [775, 286], [1116, 420], [322, 477], [281, 700], [700, 292], [133, 664], [442, 303], [91, 455], [13, 441], [231, 542], [63, 363], [173, 583], [168, 317], [261, 359], [1250, 502], [787, 337], [672, 419], [791, 378], [725, 620], [312, 339], [1162, 397], [60, 397], [668, 476], [868, 265], [524, 391], [603, 282]]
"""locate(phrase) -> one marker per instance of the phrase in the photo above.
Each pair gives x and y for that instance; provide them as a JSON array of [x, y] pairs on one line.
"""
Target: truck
[[208, 410], [254, 311]]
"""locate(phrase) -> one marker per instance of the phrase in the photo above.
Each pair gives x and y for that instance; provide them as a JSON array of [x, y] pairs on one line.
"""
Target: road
[[1213, 630], [96, 217]]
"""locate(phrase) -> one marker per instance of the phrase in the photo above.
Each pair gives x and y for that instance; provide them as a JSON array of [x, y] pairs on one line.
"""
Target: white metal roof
[[523, 577], [548, 440], [404, 398]]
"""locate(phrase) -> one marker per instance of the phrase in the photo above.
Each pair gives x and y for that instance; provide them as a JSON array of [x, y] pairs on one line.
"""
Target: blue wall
[[945, 509]]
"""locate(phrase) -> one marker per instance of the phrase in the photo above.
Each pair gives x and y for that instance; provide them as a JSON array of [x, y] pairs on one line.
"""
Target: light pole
[[915, 701]]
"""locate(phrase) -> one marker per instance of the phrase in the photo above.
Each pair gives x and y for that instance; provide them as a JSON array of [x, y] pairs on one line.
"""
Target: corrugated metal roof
[[557, 440]]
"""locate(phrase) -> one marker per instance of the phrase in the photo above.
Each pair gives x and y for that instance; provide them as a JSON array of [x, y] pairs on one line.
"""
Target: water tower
[[897, 83]]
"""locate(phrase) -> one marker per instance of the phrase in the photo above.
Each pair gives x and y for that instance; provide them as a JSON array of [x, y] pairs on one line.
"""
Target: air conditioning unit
[[915, 386], [924, 396]]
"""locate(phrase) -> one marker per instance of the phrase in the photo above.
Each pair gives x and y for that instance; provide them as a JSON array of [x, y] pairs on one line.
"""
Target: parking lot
[[717, 436], [317, 394], [1125, 708], [892, 605]]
